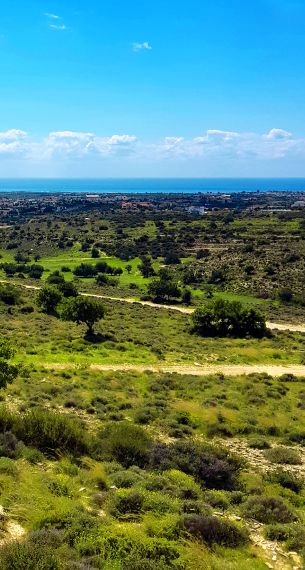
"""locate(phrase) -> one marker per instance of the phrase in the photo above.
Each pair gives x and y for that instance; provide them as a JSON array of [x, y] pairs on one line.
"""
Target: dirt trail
[[185, 310], [189, 369]]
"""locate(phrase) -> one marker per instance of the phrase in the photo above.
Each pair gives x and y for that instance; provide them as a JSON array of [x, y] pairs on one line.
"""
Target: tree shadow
[[97, 338]]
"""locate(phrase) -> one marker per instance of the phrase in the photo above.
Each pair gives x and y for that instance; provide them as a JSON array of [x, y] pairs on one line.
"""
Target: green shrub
[[125, 479], [51, 433], [268, 510], [8, 466], [212, 530], [258, 443], [280, 532], [126, 443], [217, 499], [28, 556], [287, 480], [213, 467], [128, 503], [283, 456]]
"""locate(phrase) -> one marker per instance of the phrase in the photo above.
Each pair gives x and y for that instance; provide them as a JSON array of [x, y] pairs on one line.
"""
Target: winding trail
[[292, 327]]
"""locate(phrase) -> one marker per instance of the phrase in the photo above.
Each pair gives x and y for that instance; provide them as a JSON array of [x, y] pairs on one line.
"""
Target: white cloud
[[81, 144], [61, 27], [52, 16], [141, 46], [278, 134], [13, 142], [213, 145]]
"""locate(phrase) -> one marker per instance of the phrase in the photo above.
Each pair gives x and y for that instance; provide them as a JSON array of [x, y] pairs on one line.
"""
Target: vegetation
[[127, 442]]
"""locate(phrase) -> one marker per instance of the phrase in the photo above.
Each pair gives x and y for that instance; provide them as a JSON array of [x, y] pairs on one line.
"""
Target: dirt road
[[293, 327]]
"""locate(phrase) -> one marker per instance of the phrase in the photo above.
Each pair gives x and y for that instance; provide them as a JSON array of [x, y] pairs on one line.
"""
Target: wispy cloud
[[141, 46], [61, 27], [54, 22], [52, 16]]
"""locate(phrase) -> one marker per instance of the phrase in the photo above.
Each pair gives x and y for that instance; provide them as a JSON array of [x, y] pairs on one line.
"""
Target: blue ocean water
[[153, 185]]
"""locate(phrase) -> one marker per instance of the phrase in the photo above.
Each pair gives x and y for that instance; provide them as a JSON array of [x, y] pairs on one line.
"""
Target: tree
[[95, 254], [48, 299], [8, 372], [68, 289], [85, 270], [83, 310], [128, 268], [165, 287], [228, 319], [55, 278], [187, 297], [172, 258], [146, 267], [36, 271]]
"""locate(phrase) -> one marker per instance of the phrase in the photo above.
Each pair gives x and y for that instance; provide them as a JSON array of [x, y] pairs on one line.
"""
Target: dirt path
[[191, 370], [185, 310]]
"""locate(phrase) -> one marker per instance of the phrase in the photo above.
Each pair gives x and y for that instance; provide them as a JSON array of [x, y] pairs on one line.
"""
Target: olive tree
[[83, 310]]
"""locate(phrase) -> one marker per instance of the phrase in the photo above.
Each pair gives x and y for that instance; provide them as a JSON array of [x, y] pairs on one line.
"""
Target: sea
[[152, 185]]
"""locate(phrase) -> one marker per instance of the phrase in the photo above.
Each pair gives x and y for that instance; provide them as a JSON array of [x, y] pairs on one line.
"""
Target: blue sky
[[152, 88]]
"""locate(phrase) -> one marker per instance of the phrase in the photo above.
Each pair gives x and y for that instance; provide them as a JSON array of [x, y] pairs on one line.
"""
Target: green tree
[[95, 253], [146, 267], [228, 318], [83, 310], [48, 299], [165, 287], [8, 371]]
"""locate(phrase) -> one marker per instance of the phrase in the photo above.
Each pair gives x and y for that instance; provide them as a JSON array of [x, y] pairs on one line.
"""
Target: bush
[[51, 433], [126, 443], [28, 556], [9, 295], [287, 480], [268, 510], [127, 503], [212, 530], [213, 467], [228, 318], [278, 532], [259, 443], [283, 456]]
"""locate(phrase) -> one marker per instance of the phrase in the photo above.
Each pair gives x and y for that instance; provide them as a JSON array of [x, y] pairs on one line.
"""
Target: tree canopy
[[228, 318], [83, 310]]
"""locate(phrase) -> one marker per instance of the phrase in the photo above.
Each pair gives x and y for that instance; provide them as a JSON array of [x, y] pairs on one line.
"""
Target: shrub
[[8, 466], [126, 443], [217, 500], [214, 467], [278, 532], [51, 433], [259, 443], [9, 295], [28, 556], [228, 318], [127, 503], [287, 480], [268, 510], [212, 530], [283, 456]]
